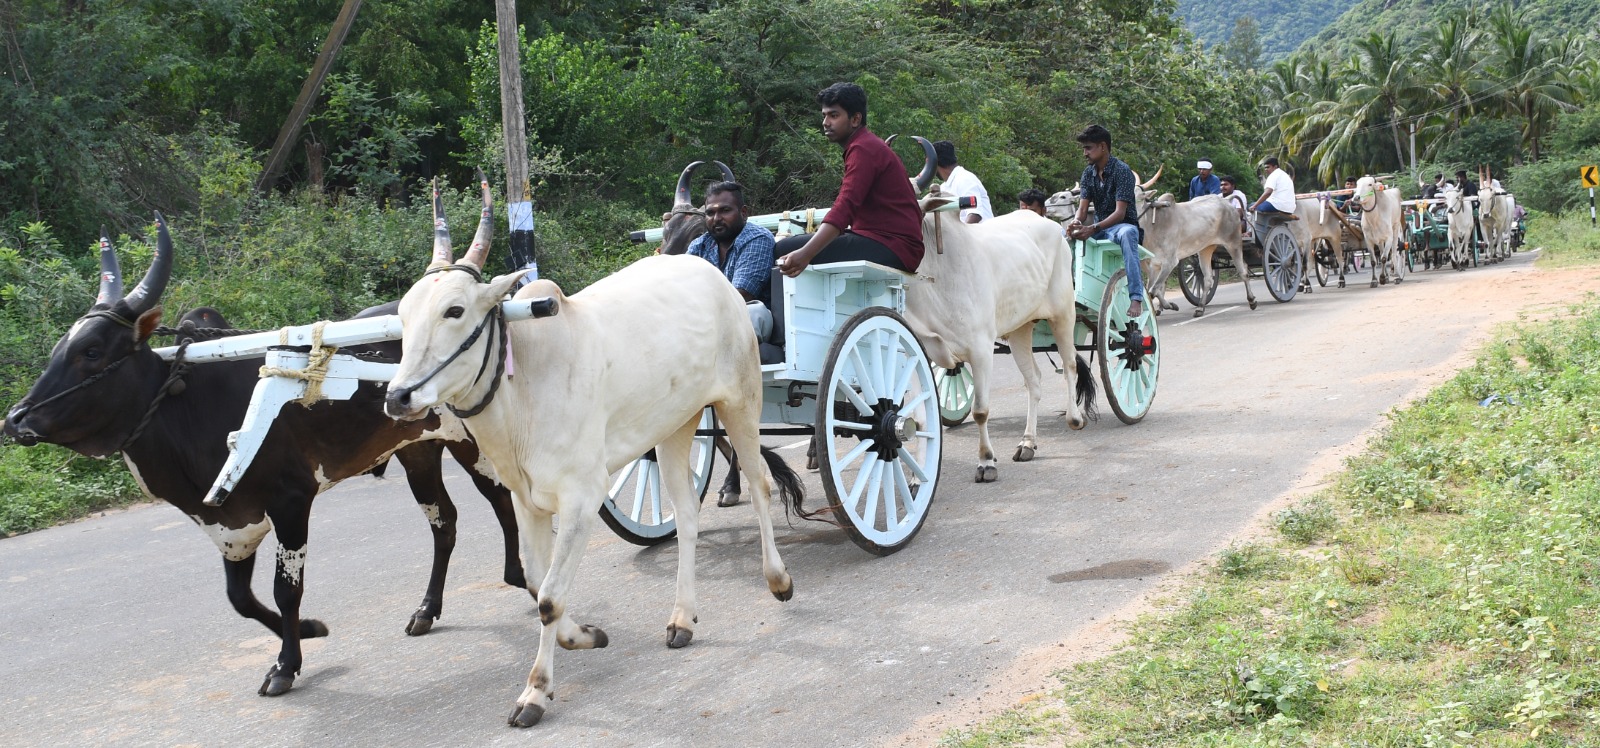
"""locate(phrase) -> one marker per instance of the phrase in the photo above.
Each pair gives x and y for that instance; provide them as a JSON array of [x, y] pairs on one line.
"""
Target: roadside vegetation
[[1441, 592]]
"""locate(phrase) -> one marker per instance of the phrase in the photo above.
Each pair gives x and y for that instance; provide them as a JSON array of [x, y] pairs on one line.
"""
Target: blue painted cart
[[1127, 349], [855, 378]]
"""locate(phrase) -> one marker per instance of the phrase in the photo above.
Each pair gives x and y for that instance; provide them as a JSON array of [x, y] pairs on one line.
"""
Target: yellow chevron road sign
[[1590, 175]]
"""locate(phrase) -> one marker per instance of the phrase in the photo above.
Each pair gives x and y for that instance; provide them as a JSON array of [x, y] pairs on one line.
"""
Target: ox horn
[[681, 195], [442, 254], [110, 274], [926, 177], [479, 251], [727, 174], [145, 295], [1153, 179]]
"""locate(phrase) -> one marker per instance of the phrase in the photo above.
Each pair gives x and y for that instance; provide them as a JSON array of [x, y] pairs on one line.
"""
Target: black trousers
[[846, 247]]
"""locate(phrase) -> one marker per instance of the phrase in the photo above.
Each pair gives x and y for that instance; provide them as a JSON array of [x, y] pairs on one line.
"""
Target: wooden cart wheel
[[1321, 262], [637, 510], [880, 442], [1280, 263], [1129, 351], [955, 393], [1195, 289]]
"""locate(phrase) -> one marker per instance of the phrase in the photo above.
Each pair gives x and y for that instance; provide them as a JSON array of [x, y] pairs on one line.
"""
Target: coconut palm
[[1382, 89], [1534, 72]]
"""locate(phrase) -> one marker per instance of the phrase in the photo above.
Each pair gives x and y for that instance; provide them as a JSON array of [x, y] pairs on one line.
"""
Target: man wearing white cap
[[1205, 183]]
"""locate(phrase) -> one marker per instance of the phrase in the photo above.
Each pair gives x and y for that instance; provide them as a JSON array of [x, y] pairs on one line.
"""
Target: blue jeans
[[1127, 235]]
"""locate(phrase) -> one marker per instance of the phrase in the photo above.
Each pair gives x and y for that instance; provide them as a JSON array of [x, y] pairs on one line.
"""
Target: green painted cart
[[1127, 349]]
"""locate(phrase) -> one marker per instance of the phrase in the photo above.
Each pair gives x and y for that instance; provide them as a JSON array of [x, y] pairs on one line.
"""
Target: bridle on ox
[[172, 385], [495, 317]]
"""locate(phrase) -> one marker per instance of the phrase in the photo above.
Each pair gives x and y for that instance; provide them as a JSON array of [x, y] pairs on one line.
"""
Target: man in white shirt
[[956, 180]]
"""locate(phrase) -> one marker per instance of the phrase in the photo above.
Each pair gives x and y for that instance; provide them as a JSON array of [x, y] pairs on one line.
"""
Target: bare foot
[[1135, 308]]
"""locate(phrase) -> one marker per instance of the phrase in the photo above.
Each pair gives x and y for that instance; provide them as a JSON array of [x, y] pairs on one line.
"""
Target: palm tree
[[1452, 70], [1382, 89], [1534, 72]]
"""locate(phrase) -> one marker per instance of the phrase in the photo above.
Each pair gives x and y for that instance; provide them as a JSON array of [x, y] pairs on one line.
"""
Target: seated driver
[[875, 217], [1109, 188], [740, 249]]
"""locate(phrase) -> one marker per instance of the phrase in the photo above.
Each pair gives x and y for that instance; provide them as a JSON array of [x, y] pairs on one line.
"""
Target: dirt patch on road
[[1499, 296]]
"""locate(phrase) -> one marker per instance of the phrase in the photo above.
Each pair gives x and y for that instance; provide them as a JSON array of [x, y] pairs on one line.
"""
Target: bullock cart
[[1273, 251], [854, 377], [1427, 234], [1127, 349]]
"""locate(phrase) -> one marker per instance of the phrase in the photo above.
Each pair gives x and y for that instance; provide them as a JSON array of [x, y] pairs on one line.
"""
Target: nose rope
[[495, 318]]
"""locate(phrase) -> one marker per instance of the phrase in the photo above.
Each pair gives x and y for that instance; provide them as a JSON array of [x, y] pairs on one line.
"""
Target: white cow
[[1381, 225], [1458, 215], [622, 367], [1319, 225], [1495, 215], [1174, 230], [989, 281]]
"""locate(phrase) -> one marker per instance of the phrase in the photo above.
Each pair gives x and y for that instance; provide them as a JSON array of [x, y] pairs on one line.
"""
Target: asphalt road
[[116, 629]]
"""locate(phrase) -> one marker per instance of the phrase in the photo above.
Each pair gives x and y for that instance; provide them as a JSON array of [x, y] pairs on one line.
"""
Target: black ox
[[105, 390]]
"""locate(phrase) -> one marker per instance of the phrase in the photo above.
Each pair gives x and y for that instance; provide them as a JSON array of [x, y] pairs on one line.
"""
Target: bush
[[1551, 185]]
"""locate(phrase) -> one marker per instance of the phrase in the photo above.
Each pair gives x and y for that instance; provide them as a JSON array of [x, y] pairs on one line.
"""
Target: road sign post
[[1590, 177]]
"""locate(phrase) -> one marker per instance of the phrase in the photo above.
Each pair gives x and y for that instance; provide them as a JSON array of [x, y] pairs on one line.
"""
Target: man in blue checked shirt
[[741, 250]]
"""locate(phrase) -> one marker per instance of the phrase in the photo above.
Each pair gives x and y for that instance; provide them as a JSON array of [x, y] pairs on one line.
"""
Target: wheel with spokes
[[1129, 351], [955, 393], [1322, 263], [1195, 289], [880, 442], [1280, 263], [637, 509]]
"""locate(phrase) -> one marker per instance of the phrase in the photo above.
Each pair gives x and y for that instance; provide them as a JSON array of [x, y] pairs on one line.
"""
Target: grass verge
[[1441, 592], [46, 485], [1567, 239]]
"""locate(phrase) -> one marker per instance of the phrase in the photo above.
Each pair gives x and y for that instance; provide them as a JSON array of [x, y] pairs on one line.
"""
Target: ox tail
[[1087, 393], [791, 490]]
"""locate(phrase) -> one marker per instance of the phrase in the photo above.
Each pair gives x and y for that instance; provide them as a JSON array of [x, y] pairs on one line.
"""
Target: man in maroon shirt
[[876, 216]]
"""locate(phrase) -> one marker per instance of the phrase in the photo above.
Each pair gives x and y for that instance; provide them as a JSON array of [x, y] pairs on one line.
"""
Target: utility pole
[[519, 193], [1415, 177], [308, 96]]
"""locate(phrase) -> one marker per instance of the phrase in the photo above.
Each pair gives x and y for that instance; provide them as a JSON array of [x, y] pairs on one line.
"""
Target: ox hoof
[[1341, 284], [277, 682], [785, 590], [678, 638], [1374, 284], [727, 499], [1024, 453], [1253, 304], [421, 623], [311, 628], [1199, 311], [597, 635], [987, 474], [811, 462], [525, 715]]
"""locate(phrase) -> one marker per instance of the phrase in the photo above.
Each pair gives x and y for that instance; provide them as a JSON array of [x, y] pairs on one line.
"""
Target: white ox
[[1318, 225], [1381, 226], [1458, 215], [1174, 230], [584, 394], [1494, 212], [988, 281]]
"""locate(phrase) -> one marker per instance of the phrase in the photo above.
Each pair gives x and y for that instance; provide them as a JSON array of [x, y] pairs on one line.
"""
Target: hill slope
[[1413, 18], [1285, 24]]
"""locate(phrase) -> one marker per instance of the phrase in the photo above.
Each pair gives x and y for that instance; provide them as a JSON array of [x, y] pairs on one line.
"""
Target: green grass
[[1567, 239], [1441, 592], [45, 485]]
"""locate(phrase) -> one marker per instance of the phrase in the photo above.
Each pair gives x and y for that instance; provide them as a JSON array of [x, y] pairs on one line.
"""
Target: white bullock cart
[[854, 375]]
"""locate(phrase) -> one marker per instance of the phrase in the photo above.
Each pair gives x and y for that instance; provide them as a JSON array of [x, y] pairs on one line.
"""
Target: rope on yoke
[[316, 364], [173, 385]]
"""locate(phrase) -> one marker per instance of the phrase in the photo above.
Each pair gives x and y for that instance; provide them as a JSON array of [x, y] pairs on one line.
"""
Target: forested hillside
[[1281, 25], [1411, 19]]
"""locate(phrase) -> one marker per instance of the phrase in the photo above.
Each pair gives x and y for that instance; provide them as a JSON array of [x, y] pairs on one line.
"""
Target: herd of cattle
[[539, 414]]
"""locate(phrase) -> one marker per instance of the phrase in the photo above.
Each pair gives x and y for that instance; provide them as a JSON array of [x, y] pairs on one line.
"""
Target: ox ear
[[1165, 201], [146, 325], [501, 284]]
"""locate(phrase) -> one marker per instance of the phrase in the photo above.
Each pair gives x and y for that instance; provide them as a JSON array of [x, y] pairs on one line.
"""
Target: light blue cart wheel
[[1129, 350], [637, 510], [879, 439], [955, 393]]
